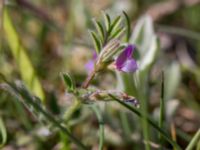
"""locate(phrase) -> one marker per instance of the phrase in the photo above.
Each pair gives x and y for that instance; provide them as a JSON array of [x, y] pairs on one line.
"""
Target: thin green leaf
[[162, 107], [25, 66], [114, 25], [96, 41], [107, 21], [101, 126], [194, 141], [3, 133], [142, 34], [119, 32], [128, 26], [100, 29], [68, 82], [172, 82], [150, 121], [24, 96], [149, 58]]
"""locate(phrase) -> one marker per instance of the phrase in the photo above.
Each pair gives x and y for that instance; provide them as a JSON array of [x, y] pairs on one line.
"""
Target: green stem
[[150, 121], [89, 79], [125, 124], [28, 99], [101, 126], [162, 108], [69, 112], [194, 141]]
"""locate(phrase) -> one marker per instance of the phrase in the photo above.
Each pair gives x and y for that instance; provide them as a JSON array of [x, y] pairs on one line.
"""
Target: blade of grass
[[144, 122], [3, 133], [128, 26], [101, 126], [150, 121], [26, 69], [162, 108], [22, 94], [125, 124], [194, 141]]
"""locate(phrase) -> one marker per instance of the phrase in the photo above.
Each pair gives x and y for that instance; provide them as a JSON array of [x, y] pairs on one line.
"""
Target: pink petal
[[126, 54], [129, 66]]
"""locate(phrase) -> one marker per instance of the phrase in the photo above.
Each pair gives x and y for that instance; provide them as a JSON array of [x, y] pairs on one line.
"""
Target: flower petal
[[89, 66], [126, 54], [129, 66]]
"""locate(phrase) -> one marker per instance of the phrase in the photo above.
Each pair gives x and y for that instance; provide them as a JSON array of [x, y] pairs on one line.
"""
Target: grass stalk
[[194, 141], [150, 121], [101, 126]]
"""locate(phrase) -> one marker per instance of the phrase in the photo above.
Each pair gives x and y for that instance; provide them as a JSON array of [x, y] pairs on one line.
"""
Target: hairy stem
[[88, 79]]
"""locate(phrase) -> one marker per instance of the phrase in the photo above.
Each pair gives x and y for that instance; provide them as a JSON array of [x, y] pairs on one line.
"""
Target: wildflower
[[89, 66], [125, 62]]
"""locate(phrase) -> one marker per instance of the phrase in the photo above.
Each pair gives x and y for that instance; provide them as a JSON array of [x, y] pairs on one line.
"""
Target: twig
[[89, 79]]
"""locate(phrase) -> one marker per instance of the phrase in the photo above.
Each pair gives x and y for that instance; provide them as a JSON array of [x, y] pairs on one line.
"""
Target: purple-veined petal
[[129, 66], [126, 54]]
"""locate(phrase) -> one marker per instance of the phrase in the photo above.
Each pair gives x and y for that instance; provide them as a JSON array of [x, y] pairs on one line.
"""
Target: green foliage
[[33, 104], [96, 41], [194, 141], [68, 82], [172, 81], [128, 26], [3, 133], [108, 30], [26, 69], [150, 121]]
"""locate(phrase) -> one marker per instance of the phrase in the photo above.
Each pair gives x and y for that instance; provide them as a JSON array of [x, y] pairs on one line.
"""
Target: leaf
[[117, 33], [107, 21], [172, 78], [128, 26], [150, 56], [21, 93], [100, 29], [26, 69], [68, 82], [96, 41], [3, 133], [194, 140], [162, 106], [101, 125], [114, 25], [142, 34], [149, 119]]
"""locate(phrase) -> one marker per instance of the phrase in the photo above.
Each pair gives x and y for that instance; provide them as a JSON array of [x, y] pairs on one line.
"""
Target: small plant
[[115, 46]]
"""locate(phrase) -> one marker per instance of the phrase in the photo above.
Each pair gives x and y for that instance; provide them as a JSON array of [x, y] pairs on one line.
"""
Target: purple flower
[[89, 66], [125, 62]]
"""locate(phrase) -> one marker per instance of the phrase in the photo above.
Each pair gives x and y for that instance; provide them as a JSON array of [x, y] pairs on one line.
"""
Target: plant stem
[[89, 79], [101, 126], [150, 121], [162, 108], [28, 100], [69, 112], [194, 141]]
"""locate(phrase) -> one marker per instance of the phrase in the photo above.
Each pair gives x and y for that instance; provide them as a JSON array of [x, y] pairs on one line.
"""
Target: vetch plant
[[108, 42], [114, 48]]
